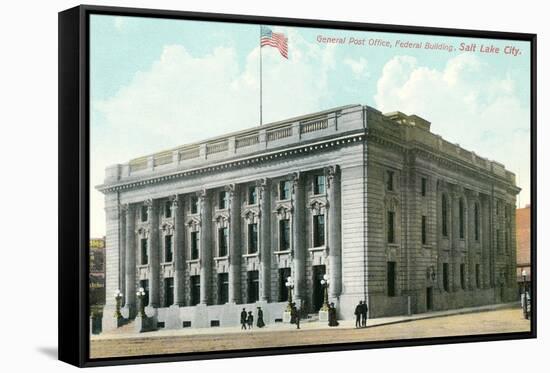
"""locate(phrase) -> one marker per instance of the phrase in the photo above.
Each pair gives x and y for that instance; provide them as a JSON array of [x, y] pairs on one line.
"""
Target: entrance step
[[312, 317]]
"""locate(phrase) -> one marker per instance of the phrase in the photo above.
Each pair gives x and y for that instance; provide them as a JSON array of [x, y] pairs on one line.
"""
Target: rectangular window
[[444, 215], [223, 288], [391, 227], [284, 234], [144, 253], [319, 184], [252, 195], [253, 286], [195, 245], [195, 289], [478, 276], [461, 218], [506, 240], [168, 209], [391, 278], [144, 213], [499, 246], [168, 250], [446, 276], [252, 238], [145, 285], [424, 186], [223, 241], [463, 276], [194, 205], [168, 291], [389, 180], [284, 190], [222, 200], [284, 273], [318, 230], [424, 232], [476, 222]]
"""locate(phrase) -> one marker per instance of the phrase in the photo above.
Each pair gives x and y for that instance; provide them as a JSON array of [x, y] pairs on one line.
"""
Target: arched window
[[444, 208], [476, 221], [461, 217]]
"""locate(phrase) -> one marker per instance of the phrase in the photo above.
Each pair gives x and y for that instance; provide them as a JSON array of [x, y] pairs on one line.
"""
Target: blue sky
[[159, 83]]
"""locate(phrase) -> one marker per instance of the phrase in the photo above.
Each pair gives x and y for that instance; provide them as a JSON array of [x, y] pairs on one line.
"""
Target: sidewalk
[[279, 327]]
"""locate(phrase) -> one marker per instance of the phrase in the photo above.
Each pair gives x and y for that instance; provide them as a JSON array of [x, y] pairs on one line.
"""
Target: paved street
[[163, 342]]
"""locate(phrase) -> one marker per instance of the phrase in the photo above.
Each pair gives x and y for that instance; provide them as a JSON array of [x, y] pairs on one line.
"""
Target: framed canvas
[[234, 186]]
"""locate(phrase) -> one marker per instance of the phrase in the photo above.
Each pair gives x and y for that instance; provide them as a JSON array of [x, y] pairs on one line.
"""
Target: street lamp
[[118, 298], [325, 284], [525, 310], [141, 303], [290, 285]]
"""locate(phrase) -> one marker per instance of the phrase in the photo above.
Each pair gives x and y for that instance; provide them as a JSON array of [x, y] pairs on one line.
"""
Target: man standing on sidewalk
[[364, 311], [358, 312], [243, 319]]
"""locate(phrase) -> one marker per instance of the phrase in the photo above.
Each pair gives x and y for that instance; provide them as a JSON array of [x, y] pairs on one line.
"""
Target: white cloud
[[184, 98], [359, 67], [483, 115]]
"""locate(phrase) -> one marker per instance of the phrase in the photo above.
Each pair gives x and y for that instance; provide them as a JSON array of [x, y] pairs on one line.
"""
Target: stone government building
[[391, 212]]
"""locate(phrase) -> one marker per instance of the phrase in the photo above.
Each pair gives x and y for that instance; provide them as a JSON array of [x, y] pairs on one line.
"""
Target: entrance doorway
[[318, 291], [429, 299]]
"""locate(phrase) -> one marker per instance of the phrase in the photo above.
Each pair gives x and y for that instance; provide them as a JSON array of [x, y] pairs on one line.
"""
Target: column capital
[[149, 203], [331, 172], [175, 201], [230, 188]]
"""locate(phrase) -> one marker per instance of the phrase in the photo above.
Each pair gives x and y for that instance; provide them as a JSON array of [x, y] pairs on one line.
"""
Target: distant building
[[523, 238], [392, 213], [97, 271]]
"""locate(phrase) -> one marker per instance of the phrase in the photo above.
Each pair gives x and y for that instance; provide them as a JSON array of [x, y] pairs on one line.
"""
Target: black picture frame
[[74, 164]]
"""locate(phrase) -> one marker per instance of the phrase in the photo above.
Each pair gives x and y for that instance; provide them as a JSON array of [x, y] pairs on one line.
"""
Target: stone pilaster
[[234, 276], [205, 247], [154, 259], [298, 238], [264, 187], [334, 222], [130, 262], [179, 252]]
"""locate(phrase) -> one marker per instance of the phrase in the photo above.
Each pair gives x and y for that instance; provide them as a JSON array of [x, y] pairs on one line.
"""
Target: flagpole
[[261, 119]]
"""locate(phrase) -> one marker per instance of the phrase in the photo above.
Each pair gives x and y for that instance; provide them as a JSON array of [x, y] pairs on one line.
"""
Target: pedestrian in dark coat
[[364, 312], [297, 316], [243, 319], [250, 320], [293, 313], [358, 312], [260, 323], [332, 316]]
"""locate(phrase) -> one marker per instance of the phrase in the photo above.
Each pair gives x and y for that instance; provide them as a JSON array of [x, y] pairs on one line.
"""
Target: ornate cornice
[[238, 163]]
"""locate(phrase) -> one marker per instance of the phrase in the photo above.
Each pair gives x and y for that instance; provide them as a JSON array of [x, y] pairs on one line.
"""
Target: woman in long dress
[[260, 323]]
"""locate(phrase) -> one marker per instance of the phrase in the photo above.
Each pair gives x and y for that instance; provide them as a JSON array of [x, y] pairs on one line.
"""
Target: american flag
[[274, 39]]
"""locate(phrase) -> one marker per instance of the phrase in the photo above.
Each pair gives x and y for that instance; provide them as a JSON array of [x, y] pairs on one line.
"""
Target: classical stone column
[[130, 262], [298, 238], [205, 247], [179, 256], [265, 237], [334, 232], [154, 260], [234, 244], [122, 245]]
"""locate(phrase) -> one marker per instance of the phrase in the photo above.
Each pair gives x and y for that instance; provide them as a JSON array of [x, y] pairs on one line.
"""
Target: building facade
[[390, 212], [523, 256]]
